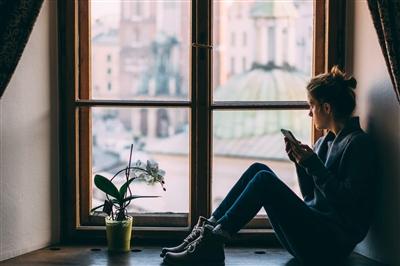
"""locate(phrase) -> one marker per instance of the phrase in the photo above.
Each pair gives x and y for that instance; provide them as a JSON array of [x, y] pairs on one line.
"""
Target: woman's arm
[[306, 183], [358, 170]]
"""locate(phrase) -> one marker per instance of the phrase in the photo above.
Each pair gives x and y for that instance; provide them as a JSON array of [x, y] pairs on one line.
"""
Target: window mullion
[[84, 120], [260, 105], [320, 52], [201, 119]]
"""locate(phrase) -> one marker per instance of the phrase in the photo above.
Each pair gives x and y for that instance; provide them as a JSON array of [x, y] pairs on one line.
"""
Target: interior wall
[[379, 113], [29, 180]]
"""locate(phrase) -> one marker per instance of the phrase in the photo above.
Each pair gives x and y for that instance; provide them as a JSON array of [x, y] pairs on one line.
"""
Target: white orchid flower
[[149, 178], [140, 164], [161, 173], [149, 172], [142, 175], [152, 166]]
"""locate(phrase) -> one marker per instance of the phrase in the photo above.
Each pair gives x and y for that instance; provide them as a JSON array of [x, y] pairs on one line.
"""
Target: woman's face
[[320, 113]]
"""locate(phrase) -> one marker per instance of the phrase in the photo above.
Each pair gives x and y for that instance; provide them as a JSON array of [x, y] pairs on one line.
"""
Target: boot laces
[[192, 246], [193, 235], [197, 242]]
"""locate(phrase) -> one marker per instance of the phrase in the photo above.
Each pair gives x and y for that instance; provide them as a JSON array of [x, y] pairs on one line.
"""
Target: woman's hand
[[301, 152], [289, 150]]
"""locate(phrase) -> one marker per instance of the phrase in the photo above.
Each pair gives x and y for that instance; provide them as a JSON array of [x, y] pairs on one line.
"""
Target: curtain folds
[[386, 17], [16, 21]]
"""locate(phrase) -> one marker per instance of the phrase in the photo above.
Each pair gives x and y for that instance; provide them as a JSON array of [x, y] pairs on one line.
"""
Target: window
[[285, 48], [271, 45], [137, 35], [242, 135], [161, 102], [232, 66], [156, 71], [143, 123], [238, 8], [138, 10]]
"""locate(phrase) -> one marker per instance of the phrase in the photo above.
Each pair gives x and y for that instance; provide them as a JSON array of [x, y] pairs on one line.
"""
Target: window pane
[[241, 138], [262, 50], [160, 134], [140, 49]]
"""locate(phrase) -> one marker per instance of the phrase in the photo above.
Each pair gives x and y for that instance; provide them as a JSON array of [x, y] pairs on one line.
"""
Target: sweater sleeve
[[306, 183], [358, 170]]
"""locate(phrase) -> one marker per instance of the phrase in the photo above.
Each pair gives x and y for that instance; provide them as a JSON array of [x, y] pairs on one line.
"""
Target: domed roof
[[274, 84], [257, 132]]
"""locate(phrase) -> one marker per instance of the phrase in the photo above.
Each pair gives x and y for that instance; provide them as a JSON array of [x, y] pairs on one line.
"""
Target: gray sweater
[[336, 181]]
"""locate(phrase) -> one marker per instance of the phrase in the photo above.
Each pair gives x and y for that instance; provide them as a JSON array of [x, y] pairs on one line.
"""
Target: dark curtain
[[16, 21], [386, 18]]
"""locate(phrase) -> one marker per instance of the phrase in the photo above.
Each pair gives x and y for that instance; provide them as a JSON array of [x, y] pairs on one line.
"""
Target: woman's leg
[[231, 197], [235, 192], [305, 234], [279, 232], [238, 188]]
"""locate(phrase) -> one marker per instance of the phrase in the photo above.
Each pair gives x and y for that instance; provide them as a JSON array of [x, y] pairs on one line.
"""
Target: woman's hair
[[336, 89]]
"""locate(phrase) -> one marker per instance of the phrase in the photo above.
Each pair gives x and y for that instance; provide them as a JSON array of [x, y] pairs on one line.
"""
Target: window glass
[[146, 43], [276, 46], [159, 134]]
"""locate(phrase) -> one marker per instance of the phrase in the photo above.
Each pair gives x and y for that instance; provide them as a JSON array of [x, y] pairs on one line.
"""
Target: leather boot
[[190, 238], [207, 249]]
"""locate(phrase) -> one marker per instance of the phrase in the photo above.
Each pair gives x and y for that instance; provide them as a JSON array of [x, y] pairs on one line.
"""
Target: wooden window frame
[[75, 131]]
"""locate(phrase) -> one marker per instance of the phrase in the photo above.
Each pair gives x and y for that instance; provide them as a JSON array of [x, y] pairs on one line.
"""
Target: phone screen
[[289, 136]]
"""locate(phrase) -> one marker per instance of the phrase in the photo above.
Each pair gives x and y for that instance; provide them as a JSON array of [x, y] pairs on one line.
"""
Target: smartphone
[[289, 136]]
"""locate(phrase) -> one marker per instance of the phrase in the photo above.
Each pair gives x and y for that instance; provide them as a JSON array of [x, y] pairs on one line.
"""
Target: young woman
[[335, 182]]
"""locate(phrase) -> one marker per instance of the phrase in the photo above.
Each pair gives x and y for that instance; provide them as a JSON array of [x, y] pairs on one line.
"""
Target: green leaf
[[106, 186], [95, 208], [136, 197], [124, 187]]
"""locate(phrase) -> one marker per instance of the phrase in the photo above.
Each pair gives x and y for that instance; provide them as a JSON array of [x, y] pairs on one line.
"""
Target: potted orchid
[[118, 222]]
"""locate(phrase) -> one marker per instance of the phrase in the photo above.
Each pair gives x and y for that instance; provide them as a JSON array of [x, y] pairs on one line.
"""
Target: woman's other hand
[[301, 152], [289, 150]]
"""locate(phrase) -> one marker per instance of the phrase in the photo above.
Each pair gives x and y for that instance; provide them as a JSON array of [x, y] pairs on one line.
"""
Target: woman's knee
[[259, 167], [265, 177]]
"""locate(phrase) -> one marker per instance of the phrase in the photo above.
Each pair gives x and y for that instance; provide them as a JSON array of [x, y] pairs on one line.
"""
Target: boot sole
[[208, 262], [162, 254]]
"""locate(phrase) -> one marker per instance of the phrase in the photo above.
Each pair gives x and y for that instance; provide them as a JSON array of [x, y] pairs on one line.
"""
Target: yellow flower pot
[[119, 234]]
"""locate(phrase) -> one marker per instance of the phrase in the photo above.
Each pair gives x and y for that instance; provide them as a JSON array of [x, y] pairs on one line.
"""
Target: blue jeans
[[303, 232]]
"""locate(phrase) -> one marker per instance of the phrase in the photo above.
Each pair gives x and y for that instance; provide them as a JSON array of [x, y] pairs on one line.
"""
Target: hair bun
[[351, 82], [336, 72]]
